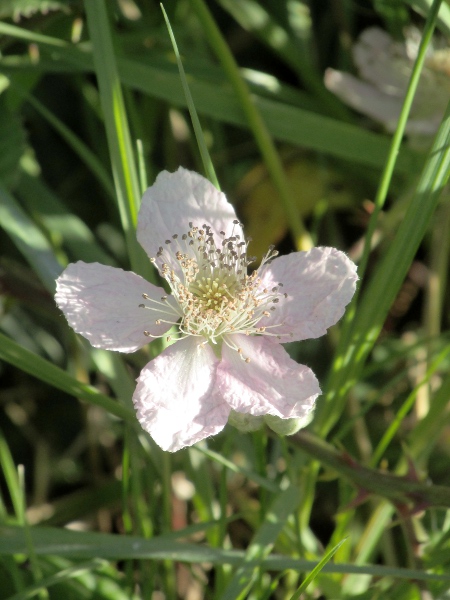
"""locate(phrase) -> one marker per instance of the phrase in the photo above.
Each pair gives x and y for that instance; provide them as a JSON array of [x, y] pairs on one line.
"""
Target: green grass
[[95, 102]]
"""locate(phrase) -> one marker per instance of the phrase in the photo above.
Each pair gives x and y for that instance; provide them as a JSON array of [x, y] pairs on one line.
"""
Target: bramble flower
[[385, 67], [227, 362]]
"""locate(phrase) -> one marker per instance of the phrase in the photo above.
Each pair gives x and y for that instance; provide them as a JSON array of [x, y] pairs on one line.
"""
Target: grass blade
[[313, 574]]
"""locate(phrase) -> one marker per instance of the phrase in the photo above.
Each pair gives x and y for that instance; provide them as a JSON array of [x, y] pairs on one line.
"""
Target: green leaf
[[285, 122], [385, 282], [262, 543], [313, 574], [117, 131], [87, 545], [29, 239], [59, 577], [42, 369], [74, 233], [201, 143], [12, 143]]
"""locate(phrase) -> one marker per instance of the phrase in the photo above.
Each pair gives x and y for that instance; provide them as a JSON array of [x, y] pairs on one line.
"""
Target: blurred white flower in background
[[384, 66]]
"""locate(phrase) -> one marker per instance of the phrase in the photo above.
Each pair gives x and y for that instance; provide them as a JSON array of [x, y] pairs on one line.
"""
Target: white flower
[[385, 67], [230, 324]]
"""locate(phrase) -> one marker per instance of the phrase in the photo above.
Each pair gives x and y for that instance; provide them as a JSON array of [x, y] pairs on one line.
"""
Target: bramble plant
[[262, 419], [228, 366]]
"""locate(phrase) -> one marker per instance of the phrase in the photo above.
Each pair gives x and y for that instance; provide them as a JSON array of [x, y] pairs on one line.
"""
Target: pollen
[[214, 294]]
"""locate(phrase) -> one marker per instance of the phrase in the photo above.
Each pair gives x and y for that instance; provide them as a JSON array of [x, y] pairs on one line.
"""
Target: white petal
[[270, 384], [176, 398], [175, 200], [319, 284], [365, 98], [382, 61], [102, 304]]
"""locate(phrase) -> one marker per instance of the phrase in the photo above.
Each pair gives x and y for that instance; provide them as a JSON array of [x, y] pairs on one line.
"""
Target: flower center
[[214, 294], [215, 289]]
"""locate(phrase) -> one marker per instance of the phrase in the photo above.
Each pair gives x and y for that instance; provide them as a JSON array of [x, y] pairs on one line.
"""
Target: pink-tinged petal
[[319, 284], [176, 398], [102, 304], [365, 98], [175, 200], [270, 384]]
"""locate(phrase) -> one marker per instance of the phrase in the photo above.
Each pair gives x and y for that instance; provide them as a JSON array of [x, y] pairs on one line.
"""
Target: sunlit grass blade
[[63, 575], [259, 129], [10, 477], [86, 545], [206, 159], [45, 371], [31, 554], [424, 437], [387, 279], [255, 18], [284, 122], [423, 7], [283, 505], [404, 410], [117, 131], [388, 170], [313, 574]]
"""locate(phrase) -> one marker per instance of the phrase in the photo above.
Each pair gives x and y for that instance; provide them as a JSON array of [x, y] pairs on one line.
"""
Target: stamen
[[214, 296]]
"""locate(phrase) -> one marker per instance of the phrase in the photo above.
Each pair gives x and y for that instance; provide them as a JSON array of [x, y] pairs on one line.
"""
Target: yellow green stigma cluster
[[214, 295]]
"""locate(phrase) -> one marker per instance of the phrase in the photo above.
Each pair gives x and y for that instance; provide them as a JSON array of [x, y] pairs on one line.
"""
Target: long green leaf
[[285, 122], [387, 279], [119, 140], [44, 370], [201, 143], [257, 125], [86, 545], [319, 567]]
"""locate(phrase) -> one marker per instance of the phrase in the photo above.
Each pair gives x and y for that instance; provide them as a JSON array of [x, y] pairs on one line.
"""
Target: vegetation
[[357, 506]]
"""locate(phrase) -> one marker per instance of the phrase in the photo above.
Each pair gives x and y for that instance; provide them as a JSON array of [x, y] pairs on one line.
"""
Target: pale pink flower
[[228, 360], [385, 67]]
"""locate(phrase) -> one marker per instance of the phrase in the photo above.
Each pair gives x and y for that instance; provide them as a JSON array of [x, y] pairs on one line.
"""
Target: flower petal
[[176, 399], [175, 200], [365, 98], [102, 304], [382, 61], [270, 384], [319, 284]]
